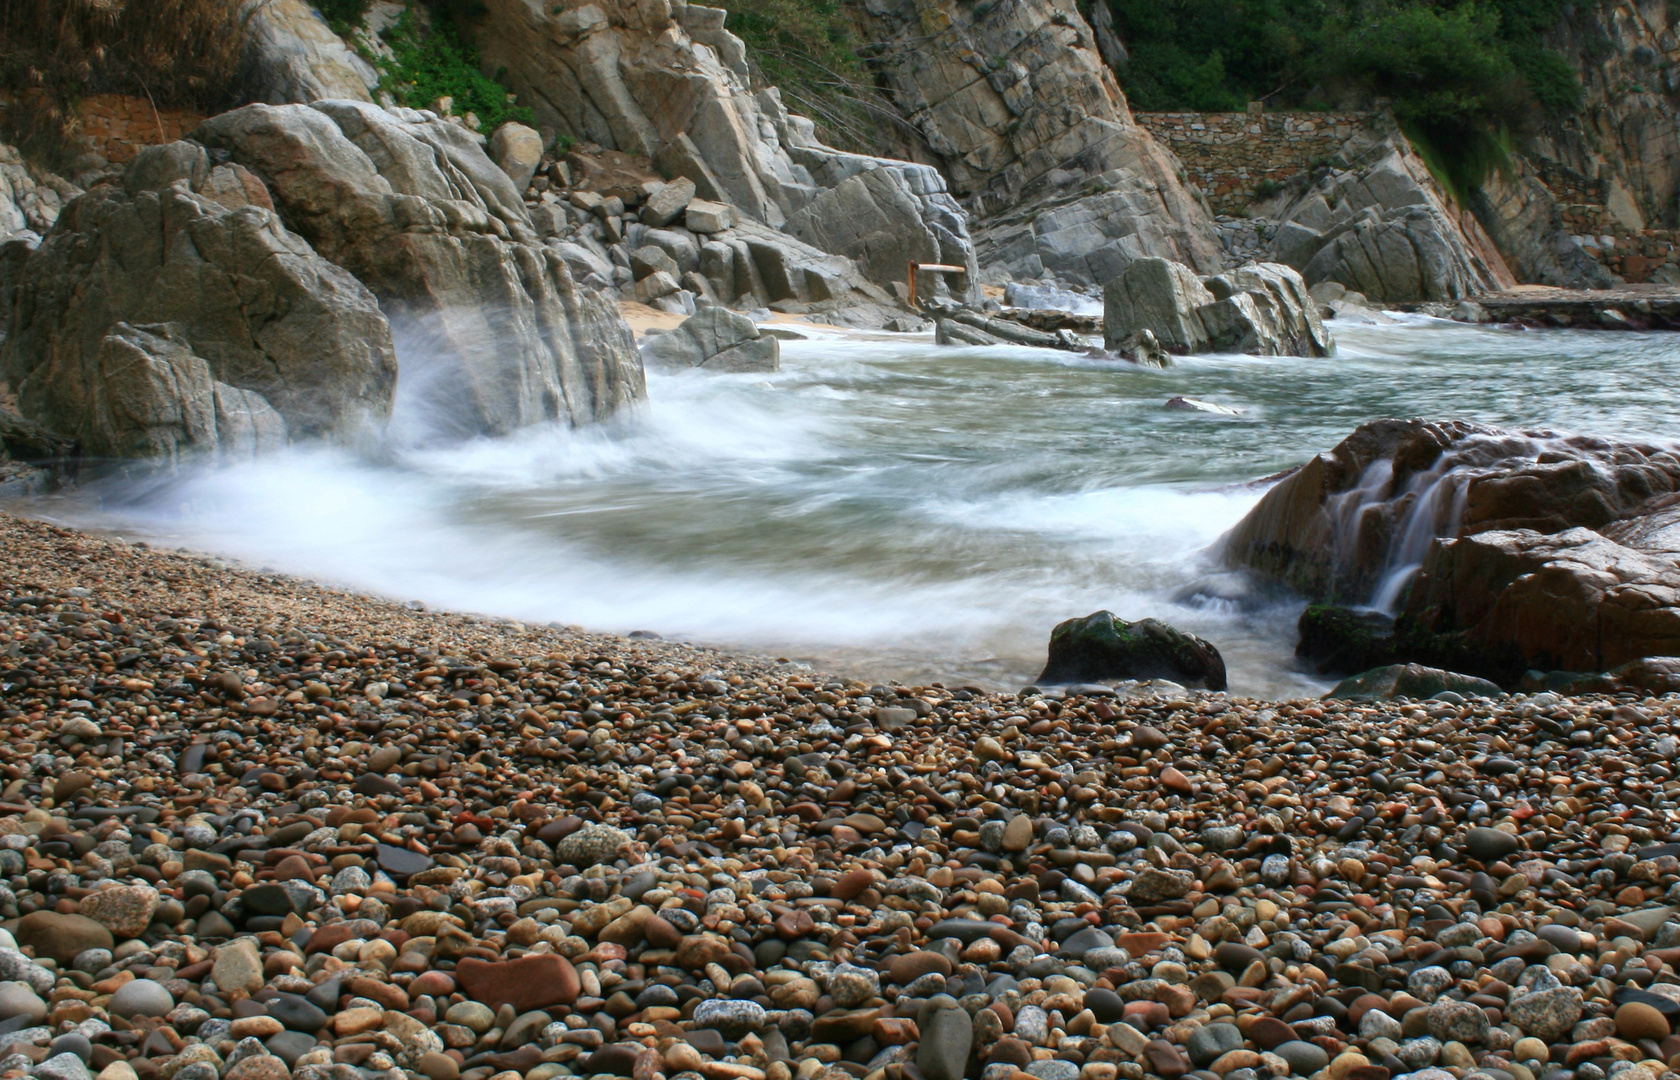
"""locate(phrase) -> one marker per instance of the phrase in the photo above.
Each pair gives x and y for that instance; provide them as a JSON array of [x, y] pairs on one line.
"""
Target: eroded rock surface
[[669, 82], [494, 332], [175, 313]]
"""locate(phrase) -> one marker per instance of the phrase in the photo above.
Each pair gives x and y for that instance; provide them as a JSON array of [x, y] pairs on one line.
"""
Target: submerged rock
[[1103, 647]]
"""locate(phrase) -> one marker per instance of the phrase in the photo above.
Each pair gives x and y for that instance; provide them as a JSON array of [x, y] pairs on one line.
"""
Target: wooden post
[[912, 284]]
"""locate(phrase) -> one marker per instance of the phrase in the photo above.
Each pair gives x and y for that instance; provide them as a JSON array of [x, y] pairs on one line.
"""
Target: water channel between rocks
[[885, 507]]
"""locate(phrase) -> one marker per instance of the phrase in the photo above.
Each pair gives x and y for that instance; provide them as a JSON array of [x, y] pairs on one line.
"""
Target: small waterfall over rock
[[1356, 525]]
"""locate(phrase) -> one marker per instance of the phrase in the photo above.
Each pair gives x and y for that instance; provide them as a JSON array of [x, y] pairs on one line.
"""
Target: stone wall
[[1608, 226], [117, 126], [1232, 156]]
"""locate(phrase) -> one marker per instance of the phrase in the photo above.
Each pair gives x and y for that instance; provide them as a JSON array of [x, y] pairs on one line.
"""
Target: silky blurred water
[[886, 507]]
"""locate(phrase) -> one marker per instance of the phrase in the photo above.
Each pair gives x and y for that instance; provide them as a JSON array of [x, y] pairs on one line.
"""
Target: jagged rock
[[1382, 227], [1521, 217], [885, 216], [668, 203], [517, 150], [1160, 296], [1281, 319], [1263, 309], [1027, 119], [752, 261], [257, 323], [292, 57], [146, 395], [716, 339], [495, 333], [669, 82], [1509, 550], [708, 217], [1143, 349], [30, 197], [1101, 646]]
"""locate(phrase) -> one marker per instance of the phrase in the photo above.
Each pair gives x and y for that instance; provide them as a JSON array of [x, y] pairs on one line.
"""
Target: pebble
[[589, 854], [141, 997]]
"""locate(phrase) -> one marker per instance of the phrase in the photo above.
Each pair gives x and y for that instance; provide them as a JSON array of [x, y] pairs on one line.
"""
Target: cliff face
[[1626, 139], [1030, 126]]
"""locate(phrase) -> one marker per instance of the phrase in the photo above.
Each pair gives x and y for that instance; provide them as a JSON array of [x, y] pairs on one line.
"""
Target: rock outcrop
[[666, 80], [1510, 550], [1625, 140], [293, 57], [715, 339], [1262, 309], [1521, 217], [1382, 227], [174, 315], [493, 331], [1028, 123]]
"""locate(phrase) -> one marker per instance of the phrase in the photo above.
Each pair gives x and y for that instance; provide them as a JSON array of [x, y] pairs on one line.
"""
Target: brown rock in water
[[531, 982], [1560, 559]]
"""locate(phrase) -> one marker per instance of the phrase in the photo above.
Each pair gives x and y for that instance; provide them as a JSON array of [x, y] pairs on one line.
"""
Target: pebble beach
[[256, 829]]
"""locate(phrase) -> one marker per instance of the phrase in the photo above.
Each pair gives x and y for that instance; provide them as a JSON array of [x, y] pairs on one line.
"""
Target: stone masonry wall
[[116, 126], [1232, 156]]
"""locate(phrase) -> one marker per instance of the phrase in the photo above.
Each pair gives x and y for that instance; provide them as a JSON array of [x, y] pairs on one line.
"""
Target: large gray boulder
[[716, 339], [147, 395], [175, 314], [668, 81], [494, 332], [517, 151], [1160, 296], [1262, 309]]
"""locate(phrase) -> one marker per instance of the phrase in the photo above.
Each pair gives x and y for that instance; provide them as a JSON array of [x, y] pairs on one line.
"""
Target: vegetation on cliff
[[1462, 76], [430, 59], [809, 50]]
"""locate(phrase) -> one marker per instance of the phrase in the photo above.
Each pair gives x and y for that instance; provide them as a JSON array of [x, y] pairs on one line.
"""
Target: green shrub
[[429, 62], [343, 16]]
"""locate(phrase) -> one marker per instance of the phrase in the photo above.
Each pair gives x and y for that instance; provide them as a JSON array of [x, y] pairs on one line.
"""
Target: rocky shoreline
[[258, 829]]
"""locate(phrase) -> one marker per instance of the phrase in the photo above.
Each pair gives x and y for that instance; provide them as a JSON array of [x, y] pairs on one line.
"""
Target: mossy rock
[[1102, 647], [1338, 640]]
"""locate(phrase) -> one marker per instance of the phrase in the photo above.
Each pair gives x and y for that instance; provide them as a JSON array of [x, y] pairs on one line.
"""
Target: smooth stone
[[141, 997]]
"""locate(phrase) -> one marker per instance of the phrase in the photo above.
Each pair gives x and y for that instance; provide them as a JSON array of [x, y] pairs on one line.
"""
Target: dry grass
[[52, 52]]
